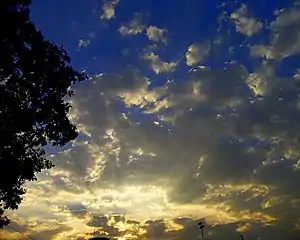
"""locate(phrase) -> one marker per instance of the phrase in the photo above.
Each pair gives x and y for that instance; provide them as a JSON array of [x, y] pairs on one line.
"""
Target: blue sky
[[67, 22], [191, 112]]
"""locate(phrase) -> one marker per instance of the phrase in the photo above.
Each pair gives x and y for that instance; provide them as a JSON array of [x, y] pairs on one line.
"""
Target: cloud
[[156, 34], [139, 178], [284, 39], [136, 26], [109, 9], [4, 235], [244, 23], [207, 153], [217, 143], [82, 43], [133, 27], [197, 52], [158, 65]]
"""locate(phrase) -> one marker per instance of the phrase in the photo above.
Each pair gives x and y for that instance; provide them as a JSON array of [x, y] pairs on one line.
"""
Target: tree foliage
[[35, 78]]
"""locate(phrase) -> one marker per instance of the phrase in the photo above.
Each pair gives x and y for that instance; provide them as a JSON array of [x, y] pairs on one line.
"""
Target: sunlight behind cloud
[[183, 127]]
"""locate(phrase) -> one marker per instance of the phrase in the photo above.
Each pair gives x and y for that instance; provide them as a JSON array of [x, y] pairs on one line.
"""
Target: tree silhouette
[[35, 78], [4, 221]]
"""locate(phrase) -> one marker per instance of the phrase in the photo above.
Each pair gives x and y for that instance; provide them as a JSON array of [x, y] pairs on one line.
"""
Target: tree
[[35, 79]]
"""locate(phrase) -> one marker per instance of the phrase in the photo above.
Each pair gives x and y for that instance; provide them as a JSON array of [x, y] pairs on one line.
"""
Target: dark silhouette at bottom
[[201, 227]]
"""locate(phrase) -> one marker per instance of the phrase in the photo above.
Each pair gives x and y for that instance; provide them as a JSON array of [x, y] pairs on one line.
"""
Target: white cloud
[[84, 42], [133, 27], [109, 9], [158, 65], [244, 23], [286, 33], [285, 36], [262, 51], [197, 52], [156, 34]]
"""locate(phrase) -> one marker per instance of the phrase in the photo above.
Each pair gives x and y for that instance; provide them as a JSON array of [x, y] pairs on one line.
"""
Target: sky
[[191, 112]]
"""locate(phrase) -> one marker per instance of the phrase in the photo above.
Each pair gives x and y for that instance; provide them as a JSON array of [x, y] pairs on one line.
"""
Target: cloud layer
[[217, 143]]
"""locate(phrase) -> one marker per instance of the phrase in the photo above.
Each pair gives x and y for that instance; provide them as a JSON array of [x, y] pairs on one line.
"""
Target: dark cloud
[[155, 229], [49, 234]]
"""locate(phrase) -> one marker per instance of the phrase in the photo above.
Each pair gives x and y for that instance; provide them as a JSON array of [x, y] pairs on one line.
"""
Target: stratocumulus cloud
[[214, 142]]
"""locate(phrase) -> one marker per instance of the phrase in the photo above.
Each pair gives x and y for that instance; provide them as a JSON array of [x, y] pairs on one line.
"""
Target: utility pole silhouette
[[201, 227], [240, 237]]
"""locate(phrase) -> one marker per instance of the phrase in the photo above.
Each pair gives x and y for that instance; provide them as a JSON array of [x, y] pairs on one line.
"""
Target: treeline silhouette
[[35, 77]]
